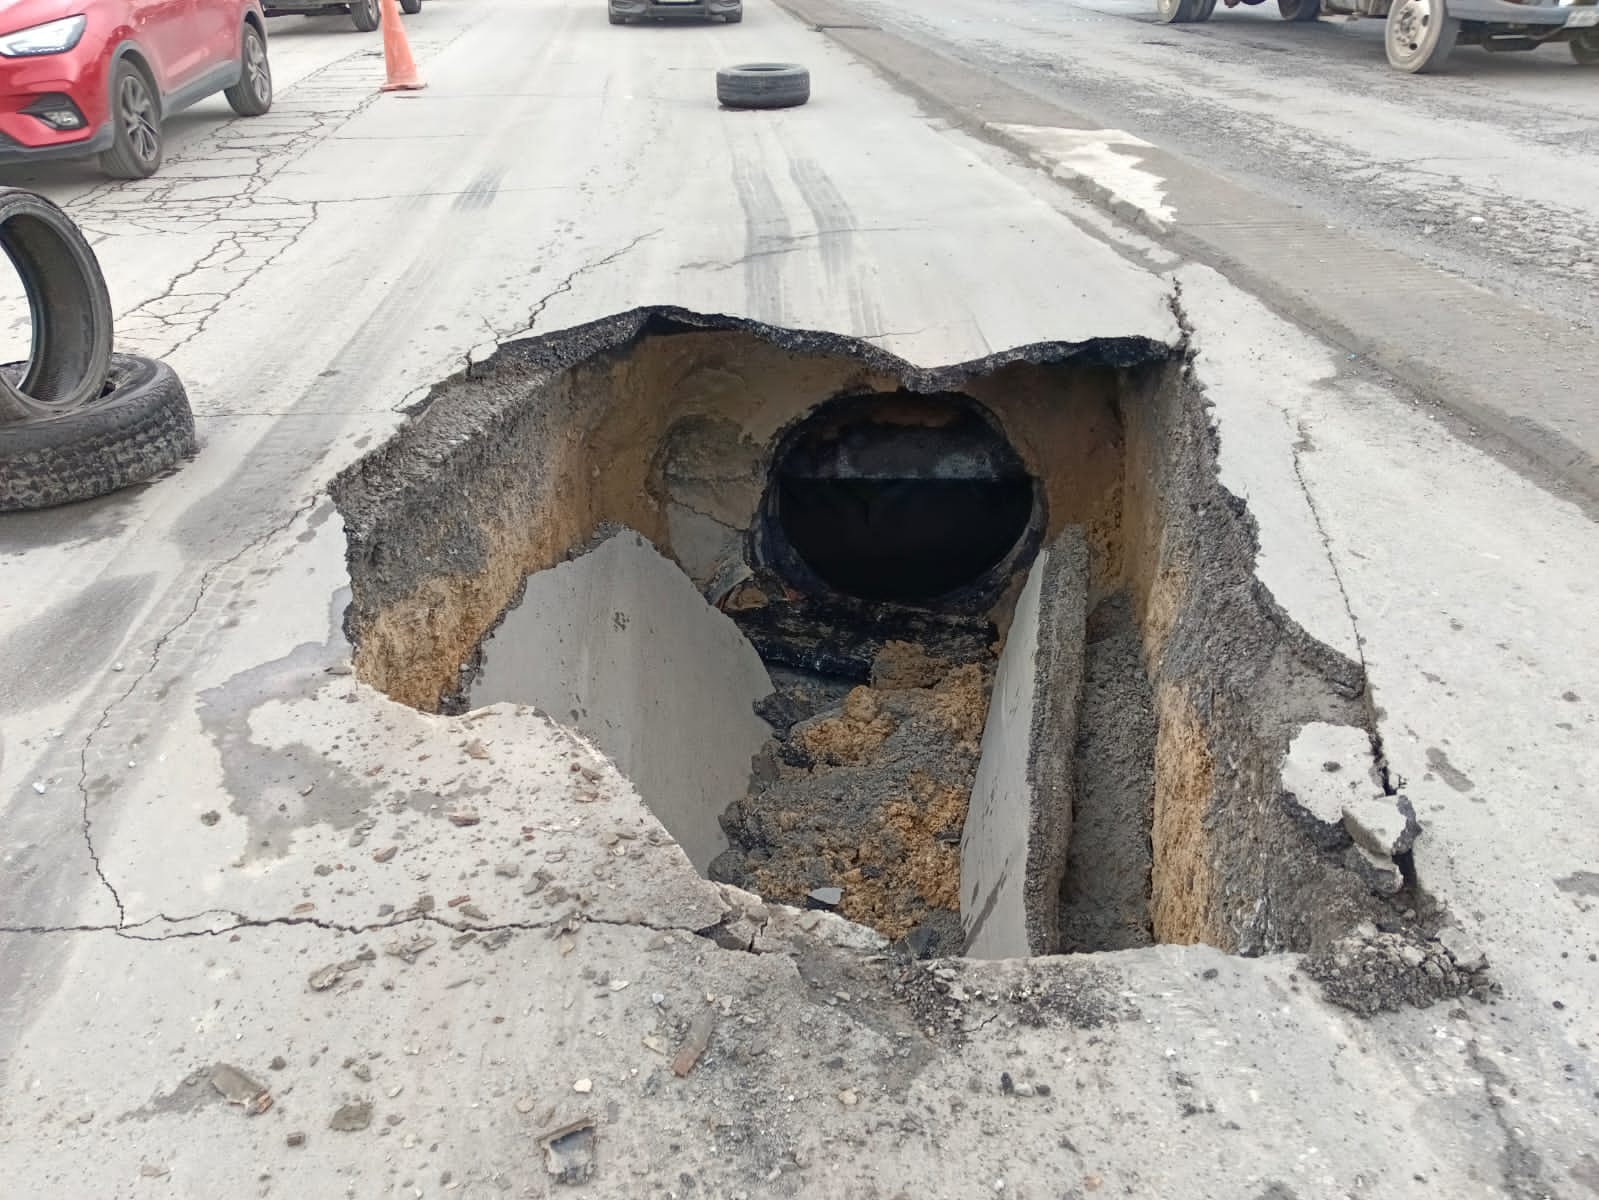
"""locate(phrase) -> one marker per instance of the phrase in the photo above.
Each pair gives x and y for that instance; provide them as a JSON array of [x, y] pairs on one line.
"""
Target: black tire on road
[[1419, 35], [365, 14], [139, 428], [410, 7], [68, 305], [1203, 10], [617, 19], [136, 141], [1585, 49], [763, 85], [1176, 12], [733, 18], [252, 95], [1299, 10]]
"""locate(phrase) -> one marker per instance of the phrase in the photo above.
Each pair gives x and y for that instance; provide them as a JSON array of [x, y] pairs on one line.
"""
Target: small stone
[[278, 1063], [1467, 955], [296, 1140], [323, 978], [1384, 825], [1024, 1090], [38, 786], [474, 912], [508, 870], [323, 869], [464, 816], [848, 1098], [351, 1117], [825, 898], [583, 1086], [476, 749], [386, 854], [618, 985], [238, 1088], [525, 1105], [362, 1072], [210, 818], [152, 1170]]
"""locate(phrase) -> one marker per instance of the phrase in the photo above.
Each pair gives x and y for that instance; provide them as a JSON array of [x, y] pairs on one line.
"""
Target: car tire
[[136, 141], [410, 7], [1585, 49], [1175, 12], [1299, 10], [366, 15], [617, 18], [70, 308], [734, 17], [1203, 9], [140, 427], [252, 95], [763, 85], [1419, 35]]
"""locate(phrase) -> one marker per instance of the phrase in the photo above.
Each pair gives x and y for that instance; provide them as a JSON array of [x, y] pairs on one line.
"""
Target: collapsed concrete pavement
[[272, 926]]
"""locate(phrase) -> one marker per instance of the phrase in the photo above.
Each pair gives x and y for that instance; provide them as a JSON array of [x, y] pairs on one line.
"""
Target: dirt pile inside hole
[[864, 786]]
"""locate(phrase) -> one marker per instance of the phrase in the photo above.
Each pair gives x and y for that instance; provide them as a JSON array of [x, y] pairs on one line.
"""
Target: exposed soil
[[867, 792]]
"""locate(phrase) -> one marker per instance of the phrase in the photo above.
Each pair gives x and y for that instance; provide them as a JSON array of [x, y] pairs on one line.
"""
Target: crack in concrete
[[1520, 1165], [207, 578], [566, 922]]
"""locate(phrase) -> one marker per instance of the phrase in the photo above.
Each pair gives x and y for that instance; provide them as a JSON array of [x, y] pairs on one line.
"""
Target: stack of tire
[[76, 420]]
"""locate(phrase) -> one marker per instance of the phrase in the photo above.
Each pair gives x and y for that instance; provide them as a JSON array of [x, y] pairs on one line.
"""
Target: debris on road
[[410, 951], [464, 817], [352, 1117], [694, 1045], [569, 1151], [238, 1088]]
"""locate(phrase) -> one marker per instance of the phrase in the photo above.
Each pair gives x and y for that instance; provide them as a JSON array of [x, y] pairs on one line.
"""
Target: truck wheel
[[1585, 49], [365, 15], [410, 7], [1419, 35], [141, 425], [1176, 12], [1299, 10]]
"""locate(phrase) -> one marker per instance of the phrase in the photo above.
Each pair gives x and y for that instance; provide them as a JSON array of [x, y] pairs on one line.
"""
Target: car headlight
[[53, 37]]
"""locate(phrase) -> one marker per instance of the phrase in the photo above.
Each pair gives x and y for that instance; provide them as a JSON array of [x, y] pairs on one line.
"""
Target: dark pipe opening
[[902, 497]]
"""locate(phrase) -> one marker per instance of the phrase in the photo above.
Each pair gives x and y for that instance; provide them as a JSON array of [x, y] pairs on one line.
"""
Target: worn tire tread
[[142, 427]]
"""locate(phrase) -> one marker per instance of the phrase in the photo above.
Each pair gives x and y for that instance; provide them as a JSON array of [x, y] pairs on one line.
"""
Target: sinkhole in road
[[974, 655]]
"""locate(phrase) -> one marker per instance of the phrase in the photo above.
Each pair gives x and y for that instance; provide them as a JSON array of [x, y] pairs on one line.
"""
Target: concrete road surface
[[195, 786]]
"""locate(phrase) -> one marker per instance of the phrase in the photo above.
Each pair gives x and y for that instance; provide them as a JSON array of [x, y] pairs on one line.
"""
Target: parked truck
[[1419, 35]]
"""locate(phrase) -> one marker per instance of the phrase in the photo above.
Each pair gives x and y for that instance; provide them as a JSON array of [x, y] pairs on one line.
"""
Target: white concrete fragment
[[1461, 947], [1327, 767], [620, 644], [1381, 824]]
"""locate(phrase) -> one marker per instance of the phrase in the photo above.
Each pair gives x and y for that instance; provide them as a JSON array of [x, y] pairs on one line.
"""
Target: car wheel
[[136, 144], [1299, 10], [1585, 49], [252, 95], [1175, 12], [365, 14], [1419, 35], [70, 309], [734, 17], [140, 426], [763, 85], [410, 7], [617, 18], [1203, 10]]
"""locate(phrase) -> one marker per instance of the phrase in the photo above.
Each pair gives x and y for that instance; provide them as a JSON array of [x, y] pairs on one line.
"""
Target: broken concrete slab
[[1384, 825], [618, 643], [1328, 766], [1014, 845]]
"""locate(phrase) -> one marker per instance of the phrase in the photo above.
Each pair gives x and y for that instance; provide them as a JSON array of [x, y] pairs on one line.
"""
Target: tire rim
[[372, 10], [139, 119], [1167, 7], [256, 68], [1409, 28]]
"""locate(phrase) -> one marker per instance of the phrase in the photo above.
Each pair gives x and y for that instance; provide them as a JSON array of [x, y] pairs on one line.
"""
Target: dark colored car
[[364, 13], [80, 78], [623, 11]]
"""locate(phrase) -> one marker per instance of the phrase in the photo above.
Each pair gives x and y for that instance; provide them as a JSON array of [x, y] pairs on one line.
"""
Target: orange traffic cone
[[397, 61]]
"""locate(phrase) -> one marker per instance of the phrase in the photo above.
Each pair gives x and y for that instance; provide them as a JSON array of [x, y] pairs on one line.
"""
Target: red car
[[96, 77]]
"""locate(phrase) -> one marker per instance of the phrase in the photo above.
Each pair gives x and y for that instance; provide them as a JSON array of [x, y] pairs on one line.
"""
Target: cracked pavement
[[221, 848]]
